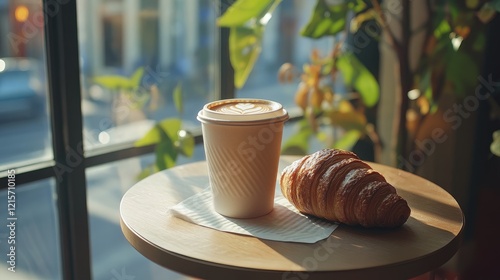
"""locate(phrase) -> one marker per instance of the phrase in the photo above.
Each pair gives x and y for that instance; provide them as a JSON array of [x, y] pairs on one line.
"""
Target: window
[[24, 123], [34, 232], [68, 137], [171, 44], [112, 33], [72, 145]]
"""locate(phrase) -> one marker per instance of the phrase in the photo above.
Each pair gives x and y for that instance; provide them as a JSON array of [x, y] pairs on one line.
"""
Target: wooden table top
[[429, 238]]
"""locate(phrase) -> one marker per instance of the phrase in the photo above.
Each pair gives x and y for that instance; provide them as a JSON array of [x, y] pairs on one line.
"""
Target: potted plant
[[424, 78]]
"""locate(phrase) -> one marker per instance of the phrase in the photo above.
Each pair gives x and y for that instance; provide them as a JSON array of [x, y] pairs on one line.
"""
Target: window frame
[[70, 161]]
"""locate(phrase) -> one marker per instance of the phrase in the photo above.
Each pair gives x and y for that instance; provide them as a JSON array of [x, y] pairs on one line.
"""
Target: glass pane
[[139, 59], [281, 44], [29, 231], [24, 122], [112, 255]]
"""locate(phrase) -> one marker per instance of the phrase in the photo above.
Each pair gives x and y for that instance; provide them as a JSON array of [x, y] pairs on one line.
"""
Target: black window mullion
[[64, 91], [226, 75]]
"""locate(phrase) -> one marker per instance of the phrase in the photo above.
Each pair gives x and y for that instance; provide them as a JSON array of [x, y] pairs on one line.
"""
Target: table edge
[[184, 264]]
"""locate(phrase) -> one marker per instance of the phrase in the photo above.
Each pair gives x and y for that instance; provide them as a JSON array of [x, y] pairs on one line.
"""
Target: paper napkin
[[284, 223]]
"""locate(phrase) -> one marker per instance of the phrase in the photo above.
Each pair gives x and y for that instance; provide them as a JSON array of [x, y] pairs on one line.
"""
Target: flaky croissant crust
[[336, 185]]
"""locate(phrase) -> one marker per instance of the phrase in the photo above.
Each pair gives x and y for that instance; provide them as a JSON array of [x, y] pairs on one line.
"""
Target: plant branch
[[428, 36], [383, 21], [428, 30], [405, 78]]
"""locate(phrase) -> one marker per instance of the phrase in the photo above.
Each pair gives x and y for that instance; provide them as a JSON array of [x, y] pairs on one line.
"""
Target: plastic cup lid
[[242, 110]]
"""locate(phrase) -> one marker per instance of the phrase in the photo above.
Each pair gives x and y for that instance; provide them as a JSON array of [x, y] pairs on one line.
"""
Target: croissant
[[336, 185]]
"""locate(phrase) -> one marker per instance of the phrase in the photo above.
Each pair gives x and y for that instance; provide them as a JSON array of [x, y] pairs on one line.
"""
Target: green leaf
[[424, 83], [428, 94], [495, 145], [348, 140], [177, 96], [328, 66], [360, 78], [326, 20], [117, 82], [169, 127], [441, 51], [243, 10], [443, 29], [246, 19], [166, 155], [169, 142], [112, 82], [298, 144], [472, 4], [454, 9], [185, 143], [135, 79], [430, 97], [346, 117], [348, 120], [151, 137], [244, 49], [357, 5], [496, 135], [461, 71], [165, 150], [426, 88]]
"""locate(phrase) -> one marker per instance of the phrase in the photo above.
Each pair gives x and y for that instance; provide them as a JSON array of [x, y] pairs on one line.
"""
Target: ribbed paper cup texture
[[242, 140]]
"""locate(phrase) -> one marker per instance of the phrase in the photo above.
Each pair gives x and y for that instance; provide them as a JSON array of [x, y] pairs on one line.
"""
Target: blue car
[[22, 93]]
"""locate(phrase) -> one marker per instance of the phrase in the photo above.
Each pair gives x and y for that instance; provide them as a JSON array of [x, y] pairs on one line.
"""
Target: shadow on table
[[411, 250]]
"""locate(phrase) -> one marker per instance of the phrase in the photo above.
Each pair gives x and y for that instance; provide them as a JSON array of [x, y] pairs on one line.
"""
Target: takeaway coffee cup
[[242, 140]]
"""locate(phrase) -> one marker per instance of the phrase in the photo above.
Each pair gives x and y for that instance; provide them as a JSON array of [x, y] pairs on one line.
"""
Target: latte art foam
[[242, 109]]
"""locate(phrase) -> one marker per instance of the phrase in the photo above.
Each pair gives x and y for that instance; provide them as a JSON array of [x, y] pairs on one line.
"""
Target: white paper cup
[[242, 140]]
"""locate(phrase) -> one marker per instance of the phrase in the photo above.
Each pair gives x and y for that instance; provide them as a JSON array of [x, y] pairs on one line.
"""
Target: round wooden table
[[429, 238]]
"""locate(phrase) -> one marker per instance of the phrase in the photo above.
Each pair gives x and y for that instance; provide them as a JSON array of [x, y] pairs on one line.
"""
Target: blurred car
[[22, 94]]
